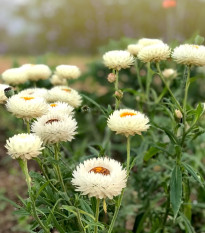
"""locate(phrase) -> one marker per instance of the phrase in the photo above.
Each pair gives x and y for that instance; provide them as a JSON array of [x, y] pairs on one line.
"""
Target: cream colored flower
[[134, 48], [27, 107], [118, 59], [128, 122], [100, 178], [37, 72], [61, 107], [148, 41], [3, 97], [55, 127], [68, 72], [178, 113], [15, 76], [36, 92], [169, 73], [154, 53], [189, 54], [64, 94], [24, 146], [56, 80]]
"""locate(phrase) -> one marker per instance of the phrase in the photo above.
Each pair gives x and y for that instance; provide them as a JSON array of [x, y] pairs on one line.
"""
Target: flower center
[[124, 114], [53, 105], [27, 98], [66, 89], [101, 170], [195, 46], [51, 121]]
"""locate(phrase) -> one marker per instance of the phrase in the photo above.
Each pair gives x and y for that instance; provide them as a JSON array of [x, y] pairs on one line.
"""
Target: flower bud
[[178, 114], [111, 77], [119, 94]]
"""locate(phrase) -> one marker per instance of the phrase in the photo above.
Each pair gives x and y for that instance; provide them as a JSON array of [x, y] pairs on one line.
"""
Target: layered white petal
[[15, 76], [68, 72], [61, 107]]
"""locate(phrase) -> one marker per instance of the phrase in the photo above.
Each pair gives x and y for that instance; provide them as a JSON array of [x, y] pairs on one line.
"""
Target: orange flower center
[[101, 170], [124, 114], [53, 105], [66, 89], [27, 98], [51, 121]]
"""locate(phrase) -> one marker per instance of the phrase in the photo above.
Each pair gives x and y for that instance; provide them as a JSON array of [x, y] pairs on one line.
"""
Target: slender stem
[[80, 222], [28, 126], [117, 101], [166, 85], [128, 154], [24, 167], [97, 214], [138, 75], [148, 81]]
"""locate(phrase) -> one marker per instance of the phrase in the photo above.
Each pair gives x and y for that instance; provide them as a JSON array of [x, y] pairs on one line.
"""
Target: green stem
[[128, 154], [24, 167], [117, 101], [80, 222], [148, 81], [166, 85], [28, 126], [138, 75], [97, 214]]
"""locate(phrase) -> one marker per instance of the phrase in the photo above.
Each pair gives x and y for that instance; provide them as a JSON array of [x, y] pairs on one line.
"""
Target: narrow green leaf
[[41, 189], [194, 174], [73, 210], [189, 228], [176, 189]]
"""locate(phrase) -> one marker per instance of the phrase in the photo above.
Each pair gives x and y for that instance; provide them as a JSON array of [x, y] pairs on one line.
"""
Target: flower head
[[147, 41], [24, 146], [169, 73], [189, 54], [37, 72], [118, 59], [128, 122], [154, 53], [26, 106], [67, 72], [56, 80], [55, 127], [100, 178], [61, 107], [134, 48], [64, 94], [36, 92], [15, 76]]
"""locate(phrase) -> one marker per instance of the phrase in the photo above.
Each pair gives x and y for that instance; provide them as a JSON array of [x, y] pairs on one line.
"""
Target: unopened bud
[[111, 77], [119, 94], [178, 114]]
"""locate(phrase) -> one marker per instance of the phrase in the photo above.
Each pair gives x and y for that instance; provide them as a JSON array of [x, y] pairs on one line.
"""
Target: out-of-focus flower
[[134, 48], [3, 88], [118, 59], [15, 76], [169, 3], [24, 146], [111, 77], [169, 73], [37, 72], [147, 41], [61, 107], [100, 178], [189, 54], [56, 80], [128, 122], [55, 127], [68, 72], [178, 114]]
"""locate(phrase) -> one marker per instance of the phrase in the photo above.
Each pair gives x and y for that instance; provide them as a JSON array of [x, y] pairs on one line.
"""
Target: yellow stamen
[[195, 46], [51, 121], [124, 114], [101, 170], [53, 105], [27, 98], [66, 89]]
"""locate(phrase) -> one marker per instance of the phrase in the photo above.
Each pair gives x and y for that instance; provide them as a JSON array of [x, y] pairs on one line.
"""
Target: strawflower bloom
[[56, 80], [61, 107], [128, 122], [37, 92], [27, 107], [24, 146], [67, 72], [169, 73], [100, 178], [37, 72], [134, 48], [118, 59], [147, 41], [154, 53], [189, 54], [15, 76], [55, 127]]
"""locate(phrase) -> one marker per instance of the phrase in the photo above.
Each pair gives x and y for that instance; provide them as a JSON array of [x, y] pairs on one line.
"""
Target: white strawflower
[[37, 92], [15, 76], [24, 146], [169, 73], [56, 80], [154, 53], [128, 122], [64, 94], [37, 72], [27, 107], [118, 59], [3, 97], [100, 178], [61, 107], [189, 54], [134, 48], [55, 127], [68, 71], [148, 41]]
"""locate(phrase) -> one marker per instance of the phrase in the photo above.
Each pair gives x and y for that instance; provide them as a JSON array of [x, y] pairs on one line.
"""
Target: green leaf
[[41, 189], [194, 174], [73, 210], [153, 151], [176, 189], [189, 228]]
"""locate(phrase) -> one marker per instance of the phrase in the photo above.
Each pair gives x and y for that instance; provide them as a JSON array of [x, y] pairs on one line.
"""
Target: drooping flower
[[27, 107], [100, 178], [134, 48], [118, 59], [67, 72], [61, 107], [24, 146], [128, 122], [64, 94], [15, 76], [55, 127], [189, 54], [154, 53]]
